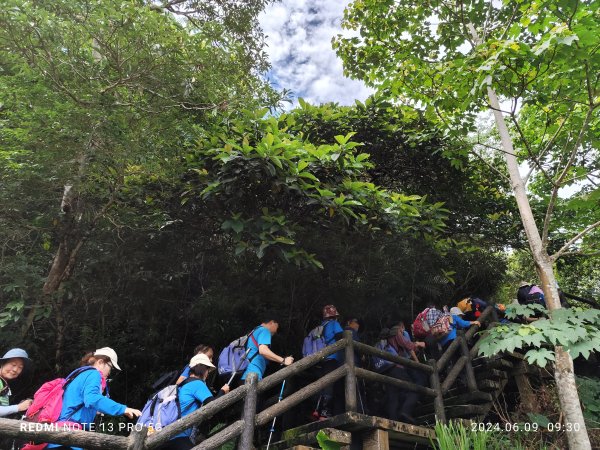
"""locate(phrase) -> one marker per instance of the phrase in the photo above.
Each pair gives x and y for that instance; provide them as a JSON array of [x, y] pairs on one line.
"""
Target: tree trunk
[[563, 373]]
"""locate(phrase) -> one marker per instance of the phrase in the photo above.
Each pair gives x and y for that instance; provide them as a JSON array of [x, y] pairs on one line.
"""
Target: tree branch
[[564, 248]]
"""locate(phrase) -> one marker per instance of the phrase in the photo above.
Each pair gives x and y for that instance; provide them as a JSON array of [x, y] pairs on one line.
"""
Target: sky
[[298, 40]]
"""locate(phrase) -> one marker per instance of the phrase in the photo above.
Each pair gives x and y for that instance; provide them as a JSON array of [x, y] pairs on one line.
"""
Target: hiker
[[400, 340], [473, 307], [457, 322], [83, 398], [200, 349], [400, 403], [193, 394], [332, 397], [12, 365], [258, 343]]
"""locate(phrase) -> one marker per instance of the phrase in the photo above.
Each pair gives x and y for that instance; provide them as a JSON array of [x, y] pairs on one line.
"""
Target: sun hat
[[15, 353], [201, 358], [456, 311], [330, 311], [112, 355]]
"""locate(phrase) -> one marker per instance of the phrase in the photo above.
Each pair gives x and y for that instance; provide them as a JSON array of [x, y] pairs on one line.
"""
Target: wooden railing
[[139, 439]]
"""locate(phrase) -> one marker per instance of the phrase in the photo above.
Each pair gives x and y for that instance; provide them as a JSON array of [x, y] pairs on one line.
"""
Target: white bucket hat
[[201, 358], [112, 355], [456, 311]]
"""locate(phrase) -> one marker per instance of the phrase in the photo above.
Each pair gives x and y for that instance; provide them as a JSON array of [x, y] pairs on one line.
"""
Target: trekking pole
[[275, 418], [234, 371]]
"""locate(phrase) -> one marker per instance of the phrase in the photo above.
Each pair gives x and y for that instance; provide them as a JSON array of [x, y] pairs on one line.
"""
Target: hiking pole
[[275, 418], [234, 371]]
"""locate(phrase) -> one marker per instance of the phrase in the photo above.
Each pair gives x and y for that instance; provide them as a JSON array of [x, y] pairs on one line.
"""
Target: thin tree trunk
[[563, 372]]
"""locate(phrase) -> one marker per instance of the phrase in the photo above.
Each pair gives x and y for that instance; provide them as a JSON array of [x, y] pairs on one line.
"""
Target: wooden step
[[496, 363], [469, 398], [459, 411], [490, 374], [399, 432], [310, 439]]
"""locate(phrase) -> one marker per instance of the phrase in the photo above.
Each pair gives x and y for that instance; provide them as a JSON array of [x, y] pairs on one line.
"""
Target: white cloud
[[299, 34]]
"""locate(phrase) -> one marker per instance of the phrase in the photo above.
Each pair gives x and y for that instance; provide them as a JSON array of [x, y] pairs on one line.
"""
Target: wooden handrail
[[238, 394], [235, 429], [87, 439], [368, 350], [406, 385]]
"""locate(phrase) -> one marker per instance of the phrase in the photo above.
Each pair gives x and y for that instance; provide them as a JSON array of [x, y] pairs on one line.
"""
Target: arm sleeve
[[93, 398], [8, 410], [460, 322], [186, 372], [262, 336], [405, 343], [201, 392]]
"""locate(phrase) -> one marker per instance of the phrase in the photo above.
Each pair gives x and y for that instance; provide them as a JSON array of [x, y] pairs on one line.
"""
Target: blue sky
[[299, 36]]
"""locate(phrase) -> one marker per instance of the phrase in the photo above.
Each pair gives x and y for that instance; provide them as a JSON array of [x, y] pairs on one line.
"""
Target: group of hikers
[[84, 391]]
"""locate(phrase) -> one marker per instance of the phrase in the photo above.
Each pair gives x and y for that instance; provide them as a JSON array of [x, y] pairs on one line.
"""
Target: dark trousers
[[399, 401], [332, 397]]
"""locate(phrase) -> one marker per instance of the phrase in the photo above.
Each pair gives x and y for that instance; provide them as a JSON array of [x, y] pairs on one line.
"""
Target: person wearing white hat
[[193, 394], [83, 398], [11, 366]]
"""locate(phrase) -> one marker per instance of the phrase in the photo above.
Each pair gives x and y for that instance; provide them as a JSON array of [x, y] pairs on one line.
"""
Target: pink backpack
[[48, 399]]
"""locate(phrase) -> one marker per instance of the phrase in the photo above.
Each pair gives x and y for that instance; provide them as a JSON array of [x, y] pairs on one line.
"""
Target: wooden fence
[[139, 439]]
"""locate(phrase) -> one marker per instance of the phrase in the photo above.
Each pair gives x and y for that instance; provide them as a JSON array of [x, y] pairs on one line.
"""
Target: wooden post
[[351, 405], [249, 412], [376, 440], [470, 373], [137, 438], [438, 401]]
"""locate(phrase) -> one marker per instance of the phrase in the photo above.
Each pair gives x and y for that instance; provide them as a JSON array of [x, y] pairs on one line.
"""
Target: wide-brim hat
[[201, 358], [112, 355], [16, 353]]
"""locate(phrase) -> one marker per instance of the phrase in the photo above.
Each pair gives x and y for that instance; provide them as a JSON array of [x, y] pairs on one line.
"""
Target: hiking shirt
[[86, 390], [258, 363], [402, 344], [456, 322], [6, 409], [191, 397], [331, 328]]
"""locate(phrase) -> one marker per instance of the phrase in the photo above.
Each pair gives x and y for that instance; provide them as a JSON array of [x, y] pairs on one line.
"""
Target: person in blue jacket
[[457, 322], [332, 397], [83, 397], [12, 365], [193, 394]]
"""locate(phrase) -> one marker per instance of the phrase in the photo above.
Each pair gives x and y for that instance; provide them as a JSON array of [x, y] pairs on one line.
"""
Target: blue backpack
[[381, 365], [163, 408], [234, 357], [315, 341]]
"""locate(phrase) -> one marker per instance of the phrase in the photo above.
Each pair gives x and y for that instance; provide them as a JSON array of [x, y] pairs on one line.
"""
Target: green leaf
[[540, 357]]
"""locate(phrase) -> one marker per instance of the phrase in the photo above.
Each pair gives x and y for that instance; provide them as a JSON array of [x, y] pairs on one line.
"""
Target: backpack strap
[[251, 336]]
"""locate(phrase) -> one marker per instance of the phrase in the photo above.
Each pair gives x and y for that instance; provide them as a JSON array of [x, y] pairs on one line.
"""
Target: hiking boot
[[324, 415]]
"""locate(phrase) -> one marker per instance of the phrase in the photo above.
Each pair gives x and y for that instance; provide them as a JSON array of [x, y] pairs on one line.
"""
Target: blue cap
[[15, 353]]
